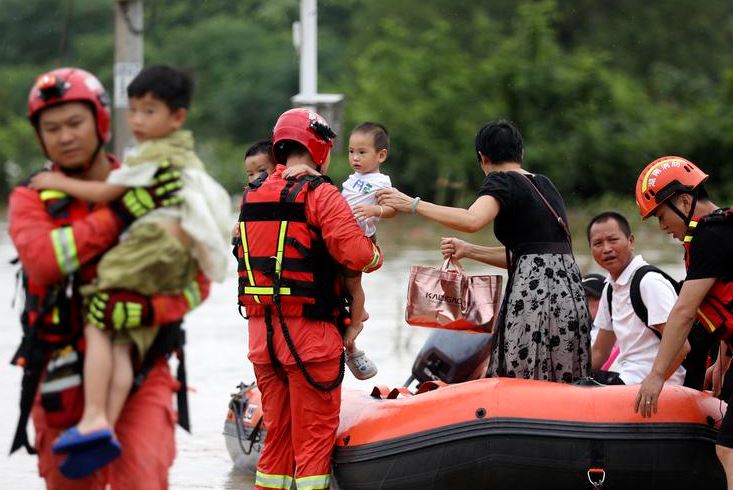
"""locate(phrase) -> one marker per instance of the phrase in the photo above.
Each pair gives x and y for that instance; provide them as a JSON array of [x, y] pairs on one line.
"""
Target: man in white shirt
[[612, 245]]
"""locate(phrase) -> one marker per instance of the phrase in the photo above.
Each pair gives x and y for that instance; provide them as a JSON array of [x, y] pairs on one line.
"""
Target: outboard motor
[[452, 357], [244, 433]]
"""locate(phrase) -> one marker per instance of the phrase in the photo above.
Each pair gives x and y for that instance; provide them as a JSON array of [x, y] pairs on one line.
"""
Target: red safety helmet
[[307, 128], [71, 85], [662, 179]]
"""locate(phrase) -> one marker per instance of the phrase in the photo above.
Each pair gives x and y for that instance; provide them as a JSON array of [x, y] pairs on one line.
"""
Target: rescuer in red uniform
[[293, 235], [59, 240], [671, 188]]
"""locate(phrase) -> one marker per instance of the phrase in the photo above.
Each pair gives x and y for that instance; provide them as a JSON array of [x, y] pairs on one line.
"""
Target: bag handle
[[451, 264]]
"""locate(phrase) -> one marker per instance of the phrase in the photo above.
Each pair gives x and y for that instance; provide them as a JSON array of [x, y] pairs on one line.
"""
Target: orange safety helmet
[[662, 179], [71, 85], [307, 128]]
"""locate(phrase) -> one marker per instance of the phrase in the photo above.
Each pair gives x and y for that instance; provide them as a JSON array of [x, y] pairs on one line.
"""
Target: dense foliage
[[598, 88]]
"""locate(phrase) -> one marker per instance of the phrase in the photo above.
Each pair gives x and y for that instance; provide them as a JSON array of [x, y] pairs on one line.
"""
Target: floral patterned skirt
[[543, 331]]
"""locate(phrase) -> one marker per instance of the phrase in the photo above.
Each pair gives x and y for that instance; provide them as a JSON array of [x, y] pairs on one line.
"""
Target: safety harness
[[45, 318], [283, 264]]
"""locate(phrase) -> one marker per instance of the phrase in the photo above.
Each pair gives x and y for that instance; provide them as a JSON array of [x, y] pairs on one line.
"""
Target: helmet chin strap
[[86, 166], [685, 218]]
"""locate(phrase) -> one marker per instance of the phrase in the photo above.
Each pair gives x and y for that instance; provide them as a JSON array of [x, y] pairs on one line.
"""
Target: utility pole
[[308, 48], [128, 63], [305, 39]]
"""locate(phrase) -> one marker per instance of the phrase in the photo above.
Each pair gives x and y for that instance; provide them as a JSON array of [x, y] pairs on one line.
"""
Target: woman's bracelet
[[413, 206], [381, 210]]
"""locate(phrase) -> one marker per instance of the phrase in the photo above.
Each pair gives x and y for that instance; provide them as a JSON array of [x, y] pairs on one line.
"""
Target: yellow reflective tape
[[273, 481], [245, 256], [280, 247], [708, 324], [192, 295], [265, 290], [64, 247], [312, 482], [688, 238], [375, 258], [50, 194]]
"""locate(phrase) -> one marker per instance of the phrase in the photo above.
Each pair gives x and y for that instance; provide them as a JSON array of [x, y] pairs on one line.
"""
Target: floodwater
[[217, 362]]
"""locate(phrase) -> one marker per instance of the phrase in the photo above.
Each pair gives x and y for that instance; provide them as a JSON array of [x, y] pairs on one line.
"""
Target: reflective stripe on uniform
[[312, 482], [61, 384], [273, 481], [691, 227], [64, 247], [375, 259], [192, 294], [245, 255], [706, 322], [265, 290], [50, 194], [254, 290], [280, 248]]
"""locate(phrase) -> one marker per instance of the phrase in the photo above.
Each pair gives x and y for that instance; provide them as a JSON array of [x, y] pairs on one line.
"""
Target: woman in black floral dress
[[544, 328]]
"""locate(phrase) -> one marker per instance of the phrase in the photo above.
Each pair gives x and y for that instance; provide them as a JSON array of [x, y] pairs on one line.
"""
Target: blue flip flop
[[72, 440], [83, 463]]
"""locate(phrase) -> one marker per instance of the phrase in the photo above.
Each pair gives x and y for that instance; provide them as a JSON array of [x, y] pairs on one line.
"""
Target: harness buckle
[[276, 280]]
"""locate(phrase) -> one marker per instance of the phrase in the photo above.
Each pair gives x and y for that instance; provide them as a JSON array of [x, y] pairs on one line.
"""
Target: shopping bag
[[447, 297]]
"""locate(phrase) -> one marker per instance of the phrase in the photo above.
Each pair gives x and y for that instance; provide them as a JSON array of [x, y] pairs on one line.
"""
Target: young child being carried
[[368, 150], [257, 159], [160, 252]]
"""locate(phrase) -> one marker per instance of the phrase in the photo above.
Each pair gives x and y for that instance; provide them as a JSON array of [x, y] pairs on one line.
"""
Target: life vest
[[282, 259], [50, 310], [716, 310]]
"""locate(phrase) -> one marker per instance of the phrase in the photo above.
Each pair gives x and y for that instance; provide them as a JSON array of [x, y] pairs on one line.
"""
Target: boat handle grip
[[596, 477]]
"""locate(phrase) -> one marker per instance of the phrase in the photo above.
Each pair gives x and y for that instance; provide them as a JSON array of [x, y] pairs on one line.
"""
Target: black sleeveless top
[[524, 217]]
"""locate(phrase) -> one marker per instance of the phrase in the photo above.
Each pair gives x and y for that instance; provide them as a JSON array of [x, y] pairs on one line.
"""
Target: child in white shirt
[[368, 149]]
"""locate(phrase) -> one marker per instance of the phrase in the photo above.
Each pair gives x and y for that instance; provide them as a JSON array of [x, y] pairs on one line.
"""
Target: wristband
[[381, 210], [413, 207]]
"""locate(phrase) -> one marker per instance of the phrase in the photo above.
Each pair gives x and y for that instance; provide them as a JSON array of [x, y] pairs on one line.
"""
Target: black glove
[[139, 201]]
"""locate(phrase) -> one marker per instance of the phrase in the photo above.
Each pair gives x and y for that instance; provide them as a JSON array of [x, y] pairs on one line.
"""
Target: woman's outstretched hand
[[453, 247], [395, 199]]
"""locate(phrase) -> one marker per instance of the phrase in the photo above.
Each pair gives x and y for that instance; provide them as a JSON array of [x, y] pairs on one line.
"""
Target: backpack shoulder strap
[[635, 293], [609, 297]]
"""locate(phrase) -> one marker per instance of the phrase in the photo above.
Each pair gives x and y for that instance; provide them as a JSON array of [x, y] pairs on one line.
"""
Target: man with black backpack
[[635, 304]]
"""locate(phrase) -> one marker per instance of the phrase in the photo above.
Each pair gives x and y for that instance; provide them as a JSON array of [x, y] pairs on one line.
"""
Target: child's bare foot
[[88, 425]]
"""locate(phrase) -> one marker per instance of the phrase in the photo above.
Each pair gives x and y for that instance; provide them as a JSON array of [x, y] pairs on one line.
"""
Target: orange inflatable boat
[[508, 433], [500, 433]]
